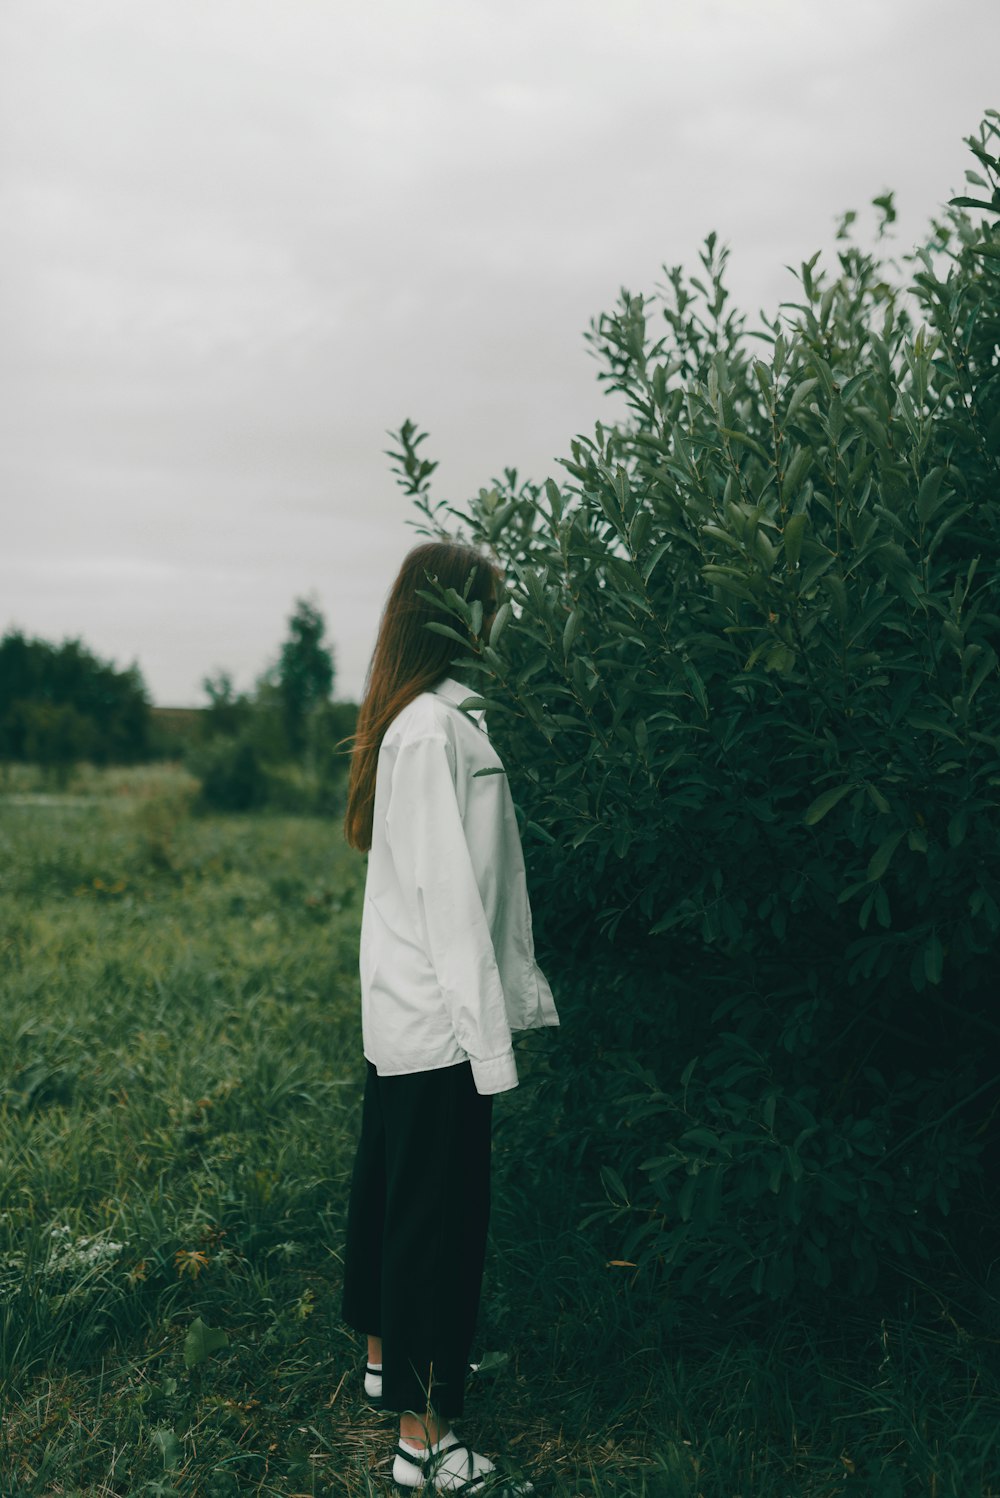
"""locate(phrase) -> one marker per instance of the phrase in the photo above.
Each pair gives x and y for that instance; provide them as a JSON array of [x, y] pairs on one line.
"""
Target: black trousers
[[416, 1231]]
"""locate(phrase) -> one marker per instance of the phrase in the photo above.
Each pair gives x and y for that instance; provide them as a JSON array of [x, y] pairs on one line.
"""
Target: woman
[[447, 973]]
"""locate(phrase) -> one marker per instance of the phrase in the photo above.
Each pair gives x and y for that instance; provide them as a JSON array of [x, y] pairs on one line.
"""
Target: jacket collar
[[457, 692]]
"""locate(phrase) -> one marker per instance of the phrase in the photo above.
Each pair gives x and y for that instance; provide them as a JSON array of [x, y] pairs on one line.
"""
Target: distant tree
[[227, 708], [305, 671], [56, 737], [281, 744], [59, 703]]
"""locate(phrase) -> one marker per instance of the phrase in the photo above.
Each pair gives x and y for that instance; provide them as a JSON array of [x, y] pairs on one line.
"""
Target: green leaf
[[571, 628], [798, 396], [930, 725], [794, 530], [825, 802], [795, 1167], [554, 498], [825, 373], [446, 629], [718, 534], [742, 440], [697, 686], [882, 907], [685, 1198], [201, 1341], [614, 1186], [640, 529], [780, 658], [763, 375], [933, 958], [500, 622], [815, 571], [973, 203], [929, 496], [878, 799], [533, 827], [958, 825], [700, 1136], [953, 634], [834, 586], [729, 579], [659, 551], [799, 465], [985, 667], [166, 1443], [882, 856]]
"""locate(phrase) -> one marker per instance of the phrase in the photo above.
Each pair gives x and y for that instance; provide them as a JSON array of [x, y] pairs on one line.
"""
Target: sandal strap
[[475, 1484], [430, 1465], [427, 1462], [472, 1484], [410, 1456]]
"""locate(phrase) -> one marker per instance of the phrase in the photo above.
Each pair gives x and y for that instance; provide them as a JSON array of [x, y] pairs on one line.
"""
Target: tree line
[[61, 704]]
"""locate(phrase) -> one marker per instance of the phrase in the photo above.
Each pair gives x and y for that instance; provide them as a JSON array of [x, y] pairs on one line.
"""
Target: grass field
[[180, 1077]]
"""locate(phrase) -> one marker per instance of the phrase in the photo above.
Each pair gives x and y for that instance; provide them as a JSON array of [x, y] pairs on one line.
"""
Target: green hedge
[[746, 688]]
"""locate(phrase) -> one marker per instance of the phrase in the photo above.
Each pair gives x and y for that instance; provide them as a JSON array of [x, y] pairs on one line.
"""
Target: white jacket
[[447, 959]]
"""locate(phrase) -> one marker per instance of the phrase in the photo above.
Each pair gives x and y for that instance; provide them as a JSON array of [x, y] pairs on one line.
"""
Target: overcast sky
[[239, 239]]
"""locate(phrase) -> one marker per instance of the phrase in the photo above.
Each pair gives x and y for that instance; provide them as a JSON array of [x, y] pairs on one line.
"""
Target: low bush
[[253, 769], [232, 775]]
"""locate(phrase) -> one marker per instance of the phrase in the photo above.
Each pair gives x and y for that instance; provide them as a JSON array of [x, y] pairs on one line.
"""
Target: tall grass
[[180, 1075]]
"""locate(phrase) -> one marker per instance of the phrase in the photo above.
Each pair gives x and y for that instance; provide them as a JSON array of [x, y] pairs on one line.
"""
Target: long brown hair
[[409, 658]]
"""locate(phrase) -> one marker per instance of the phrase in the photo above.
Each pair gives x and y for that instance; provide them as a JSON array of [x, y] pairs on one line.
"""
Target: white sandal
[[451, 1466]]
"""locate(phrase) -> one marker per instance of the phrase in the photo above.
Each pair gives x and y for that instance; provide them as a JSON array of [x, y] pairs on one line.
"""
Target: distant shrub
[[253, 770], [276, 746], [228, 710], [60, 703], [53, 736], [173, 731], [159, 816], [232, 775], [747, 691]]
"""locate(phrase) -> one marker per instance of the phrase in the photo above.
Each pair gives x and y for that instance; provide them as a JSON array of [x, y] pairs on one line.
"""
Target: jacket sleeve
[[434, 866]]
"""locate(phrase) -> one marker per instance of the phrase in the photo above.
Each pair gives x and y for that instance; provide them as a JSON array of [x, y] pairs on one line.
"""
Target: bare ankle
[[422, 1430]]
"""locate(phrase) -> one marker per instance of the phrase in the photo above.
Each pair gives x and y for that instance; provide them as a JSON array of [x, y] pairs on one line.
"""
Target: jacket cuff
[[497, 1074]]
